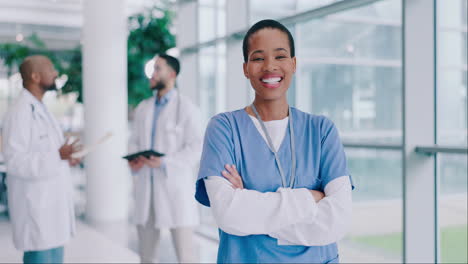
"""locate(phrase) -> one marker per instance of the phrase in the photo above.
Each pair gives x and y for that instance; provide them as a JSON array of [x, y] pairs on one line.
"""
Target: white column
[[419, 122], [105, 101], [238, 93]]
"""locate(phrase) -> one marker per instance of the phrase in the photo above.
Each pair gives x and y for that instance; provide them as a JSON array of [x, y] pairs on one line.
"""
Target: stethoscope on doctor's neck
[[275, 152], [33, 110]]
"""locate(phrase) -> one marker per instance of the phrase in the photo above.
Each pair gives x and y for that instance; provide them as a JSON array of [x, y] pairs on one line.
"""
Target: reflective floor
[[115, 243]]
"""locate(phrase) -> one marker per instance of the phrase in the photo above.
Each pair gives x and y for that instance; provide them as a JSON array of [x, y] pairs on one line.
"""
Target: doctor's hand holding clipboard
[[149, 158], [67, 151]]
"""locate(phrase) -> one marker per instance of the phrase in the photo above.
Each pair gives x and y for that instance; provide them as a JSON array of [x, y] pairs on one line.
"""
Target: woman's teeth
[[272, 80]]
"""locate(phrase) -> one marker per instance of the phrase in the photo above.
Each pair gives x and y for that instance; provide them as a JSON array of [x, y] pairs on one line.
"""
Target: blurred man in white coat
[[168, 123], [38, 161]]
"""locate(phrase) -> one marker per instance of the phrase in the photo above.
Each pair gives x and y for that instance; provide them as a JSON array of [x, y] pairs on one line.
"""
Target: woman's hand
[[318, 195], [233, 176]]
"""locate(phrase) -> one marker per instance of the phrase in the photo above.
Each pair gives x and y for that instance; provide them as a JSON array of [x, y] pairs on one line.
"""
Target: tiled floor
[[114, 243], [125, 235], [88, 246]]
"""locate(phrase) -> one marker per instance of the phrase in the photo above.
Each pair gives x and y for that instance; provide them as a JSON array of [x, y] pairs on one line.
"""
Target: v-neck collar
[[259, 135]]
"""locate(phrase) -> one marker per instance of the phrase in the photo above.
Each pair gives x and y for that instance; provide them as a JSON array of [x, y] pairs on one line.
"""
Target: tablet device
[[147, 154]]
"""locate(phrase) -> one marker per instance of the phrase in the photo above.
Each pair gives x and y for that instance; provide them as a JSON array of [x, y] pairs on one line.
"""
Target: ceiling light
[[19, 37]]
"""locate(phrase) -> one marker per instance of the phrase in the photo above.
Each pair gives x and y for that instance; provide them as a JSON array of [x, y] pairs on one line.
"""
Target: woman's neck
[[270, 109]]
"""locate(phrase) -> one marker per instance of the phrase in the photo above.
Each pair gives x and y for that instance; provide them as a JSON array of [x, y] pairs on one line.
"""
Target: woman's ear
[[246, 73]]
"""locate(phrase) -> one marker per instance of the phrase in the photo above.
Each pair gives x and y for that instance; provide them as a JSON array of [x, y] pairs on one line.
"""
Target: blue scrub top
[[232, 138]]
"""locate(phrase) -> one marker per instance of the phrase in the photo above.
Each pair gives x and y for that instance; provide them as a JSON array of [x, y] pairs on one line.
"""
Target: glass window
[[350, 70], [305, 5], [387, 11], [279, 8], [221, 18], [275, 9], [452, 73], [211, 19], [452, 125], [212, 66], [206, 23], [207, 2], [207, 71], [453, 208], [221, 77], [377, 225]]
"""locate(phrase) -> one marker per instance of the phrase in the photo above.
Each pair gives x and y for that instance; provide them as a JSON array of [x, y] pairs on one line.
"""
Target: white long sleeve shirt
[[290, 215]]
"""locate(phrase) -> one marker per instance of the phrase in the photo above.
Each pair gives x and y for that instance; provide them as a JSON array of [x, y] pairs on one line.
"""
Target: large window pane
[[377, 225], [453, 208], [207, 67], [350, 71], [280, 8], [452, 72], [212, 82], [363, 101], [386, 11], [452, 129], [272, 9], [221, 18], [211, 19], [341, 37], [207, 22], [221, 77], [304, 5]]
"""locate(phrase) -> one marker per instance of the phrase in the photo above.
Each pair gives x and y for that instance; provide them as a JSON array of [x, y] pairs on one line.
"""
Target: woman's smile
[[271, 80]]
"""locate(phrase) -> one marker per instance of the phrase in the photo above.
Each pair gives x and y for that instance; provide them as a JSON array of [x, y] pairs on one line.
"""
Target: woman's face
[[270, 67]]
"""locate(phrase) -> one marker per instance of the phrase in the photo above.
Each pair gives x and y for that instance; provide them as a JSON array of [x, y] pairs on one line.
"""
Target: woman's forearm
[[330, 223], [247, 212]]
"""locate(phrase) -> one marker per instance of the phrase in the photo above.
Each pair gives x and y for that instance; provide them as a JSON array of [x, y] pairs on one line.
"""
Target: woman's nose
[[269, 65]]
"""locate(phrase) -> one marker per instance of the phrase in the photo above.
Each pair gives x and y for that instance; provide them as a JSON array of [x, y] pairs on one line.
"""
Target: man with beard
[[38, 161], [168, 123]]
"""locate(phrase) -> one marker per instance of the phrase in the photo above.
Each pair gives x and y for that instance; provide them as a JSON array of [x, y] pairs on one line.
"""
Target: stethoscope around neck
[[275, 152], [34, 112]]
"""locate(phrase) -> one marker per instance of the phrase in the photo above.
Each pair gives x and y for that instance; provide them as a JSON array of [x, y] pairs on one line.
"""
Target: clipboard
[[147, 154], [90, 148]]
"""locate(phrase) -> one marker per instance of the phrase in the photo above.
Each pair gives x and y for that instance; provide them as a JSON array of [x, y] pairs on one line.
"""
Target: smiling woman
[[270, 65], [281, 168]]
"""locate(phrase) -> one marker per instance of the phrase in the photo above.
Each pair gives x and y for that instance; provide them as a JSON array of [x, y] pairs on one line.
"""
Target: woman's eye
[[257, 59], [280, 57]]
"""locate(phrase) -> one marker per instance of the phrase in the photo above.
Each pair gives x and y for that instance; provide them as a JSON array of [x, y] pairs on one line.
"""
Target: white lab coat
[[173, 186], [39, 182]]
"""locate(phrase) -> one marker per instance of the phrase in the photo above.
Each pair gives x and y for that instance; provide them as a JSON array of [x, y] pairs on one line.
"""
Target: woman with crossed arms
[[276, 178]]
